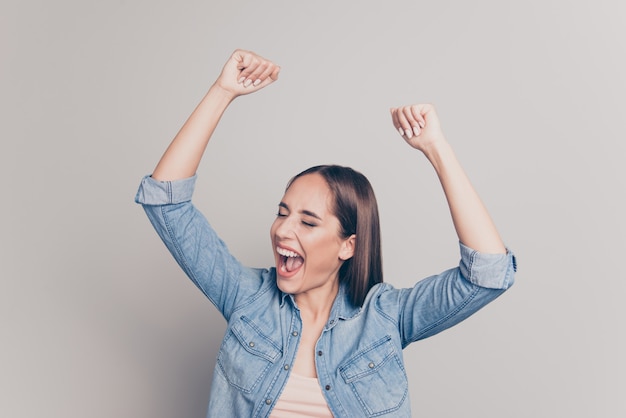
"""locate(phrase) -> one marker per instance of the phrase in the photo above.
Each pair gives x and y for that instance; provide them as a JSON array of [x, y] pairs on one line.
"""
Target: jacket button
[[251, 343], [327, 387], [286, 367], [319, 353], [295, 333], [268, 401], [371, 365]]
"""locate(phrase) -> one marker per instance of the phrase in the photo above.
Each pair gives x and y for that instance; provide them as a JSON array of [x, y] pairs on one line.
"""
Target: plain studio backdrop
[[97, 320]]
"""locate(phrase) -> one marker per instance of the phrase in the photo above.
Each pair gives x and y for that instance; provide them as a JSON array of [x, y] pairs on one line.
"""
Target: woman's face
[[305, 235]]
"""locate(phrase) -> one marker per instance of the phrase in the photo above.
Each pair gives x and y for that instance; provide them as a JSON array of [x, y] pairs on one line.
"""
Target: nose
[[284, 227]]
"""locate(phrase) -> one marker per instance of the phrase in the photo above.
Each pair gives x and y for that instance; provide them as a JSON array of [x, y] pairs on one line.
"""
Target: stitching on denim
[[278, 375], [381, 311], [391, 355], [265, 287], [262, 334], [222, 369], [470, 266], [385, 411], [386, 339], [452, 313], [181, 255]]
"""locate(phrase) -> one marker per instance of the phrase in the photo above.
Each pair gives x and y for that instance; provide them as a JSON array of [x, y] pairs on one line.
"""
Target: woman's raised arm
[[244, 73], [419, 126]]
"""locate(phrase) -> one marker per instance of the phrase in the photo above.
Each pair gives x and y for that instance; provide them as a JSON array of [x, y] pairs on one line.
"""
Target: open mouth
[[290, 261]]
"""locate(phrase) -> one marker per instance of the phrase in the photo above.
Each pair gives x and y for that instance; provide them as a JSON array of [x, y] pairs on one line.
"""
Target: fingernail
[[241, 80], [257, 82], [409, 133], [401, 131], [422, 124], [247, 83], [416, 130]]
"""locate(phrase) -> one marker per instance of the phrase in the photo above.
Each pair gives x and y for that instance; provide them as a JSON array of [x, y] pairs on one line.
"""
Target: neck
[[316, 305]]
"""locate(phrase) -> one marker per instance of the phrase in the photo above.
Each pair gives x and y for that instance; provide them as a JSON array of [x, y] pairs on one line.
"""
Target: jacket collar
[[342, 306]]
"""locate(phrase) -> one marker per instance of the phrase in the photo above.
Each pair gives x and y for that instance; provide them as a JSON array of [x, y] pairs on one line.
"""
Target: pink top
[[302, 397]]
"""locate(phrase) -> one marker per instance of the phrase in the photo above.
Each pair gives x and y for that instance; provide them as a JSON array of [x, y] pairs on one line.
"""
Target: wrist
[[440, 155], [436, 150], [221, 93]]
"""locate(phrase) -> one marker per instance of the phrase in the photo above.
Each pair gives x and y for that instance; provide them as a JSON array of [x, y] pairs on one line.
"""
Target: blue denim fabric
[[359, 354]]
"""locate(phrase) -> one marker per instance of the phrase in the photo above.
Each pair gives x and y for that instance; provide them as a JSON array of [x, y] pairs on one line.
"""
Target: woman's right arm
[[244, 73], [166, 194]]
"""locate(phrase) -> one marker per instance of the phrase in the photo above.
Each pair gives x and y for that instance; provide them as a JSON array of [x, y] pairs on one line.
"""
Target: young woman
[[319, 334]]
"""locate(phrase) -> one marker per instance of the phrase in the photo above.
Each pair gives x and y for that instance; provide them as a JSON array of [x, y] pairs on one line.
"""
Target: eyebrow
[[304, 211]]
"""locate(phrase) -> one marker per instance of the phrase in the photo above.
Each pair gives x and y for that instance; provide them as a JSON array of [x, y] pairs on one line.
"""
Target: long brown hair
[[354, 204]]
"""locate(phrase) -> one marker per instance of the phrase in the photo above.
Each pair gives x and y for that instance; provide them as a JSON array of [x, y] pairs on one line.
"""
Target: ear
[[347, 248]]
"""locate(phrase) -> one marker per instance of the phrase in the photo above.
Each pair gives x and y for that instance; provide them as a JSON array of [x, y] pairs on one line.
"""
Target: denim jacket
[[358, 357]]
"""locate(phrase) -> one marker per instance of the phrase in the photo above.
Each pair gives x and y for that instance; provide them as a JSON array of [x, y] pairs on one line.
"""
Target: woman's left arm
[[419, 126]]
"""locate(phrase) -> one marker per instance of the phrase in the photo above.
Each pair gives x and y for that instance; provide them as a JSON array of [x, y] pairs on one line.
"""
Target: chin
[[284, 287]]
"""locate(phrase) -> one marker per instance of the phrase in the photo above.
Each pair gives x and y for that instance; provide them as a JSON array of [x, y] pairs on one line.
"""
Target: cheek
[[326, 246]]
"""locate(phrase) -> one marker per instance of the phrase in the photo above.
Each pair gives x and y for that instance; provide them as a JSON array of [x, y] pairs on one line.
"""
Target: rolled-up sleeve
[[153, 192], [493, 271]]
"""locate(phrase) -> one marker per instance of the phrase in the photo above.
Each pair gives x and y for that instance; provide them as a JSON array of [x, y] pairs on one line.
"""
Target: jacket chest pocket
[[377, 378], [246, 355]]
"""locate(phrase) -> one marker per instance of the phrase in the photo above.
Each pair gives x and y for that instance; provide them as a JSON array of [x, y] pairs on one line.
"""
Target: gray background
[[98, 321]]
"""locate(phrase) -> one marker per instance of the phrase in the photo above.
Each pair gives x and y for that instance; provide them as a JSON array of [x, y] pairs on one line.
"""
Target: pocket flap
[[368, 361], [254, 340]]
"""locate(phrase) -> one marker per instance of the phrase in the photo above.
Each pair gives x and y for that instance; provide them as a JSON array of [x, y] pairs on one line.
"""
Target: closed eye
[[283, 210]]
